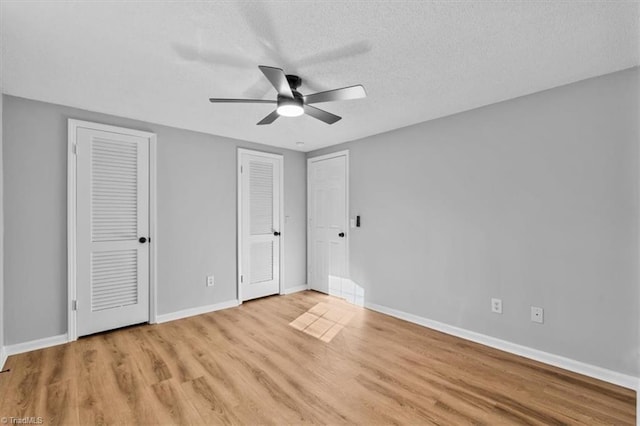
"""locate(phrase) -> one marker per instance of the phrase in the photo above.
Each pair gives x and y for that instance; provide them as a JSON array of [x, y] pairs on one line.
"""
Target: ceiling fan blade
[[311, 86], [211, 57], [258, 89], [344, 94], [241, 101], [260, 20], [321, 115], [344, 52], [269, 118], [278, 79]]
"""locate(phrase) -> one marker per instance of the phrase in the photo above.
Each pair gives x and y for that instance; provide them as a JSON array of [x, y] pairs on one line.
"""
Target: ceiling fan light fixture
[[290, 107]]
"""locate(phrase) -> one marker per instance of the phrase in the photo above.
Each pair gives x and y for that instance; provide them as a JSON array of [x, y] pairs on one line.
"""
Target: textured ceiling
[[161, 61]]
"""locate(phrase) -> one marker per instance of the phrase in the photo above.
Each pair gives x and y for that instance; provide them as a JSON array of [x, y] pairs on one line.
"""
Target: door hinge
[[74, 305], [74, 148], [241, 278], [241, 169]]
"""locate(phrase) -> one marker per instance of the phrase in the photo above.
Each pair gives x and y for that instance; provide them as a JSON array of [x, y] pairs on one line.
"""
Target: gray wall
[[196, 216], [1, 238], [532, 200]]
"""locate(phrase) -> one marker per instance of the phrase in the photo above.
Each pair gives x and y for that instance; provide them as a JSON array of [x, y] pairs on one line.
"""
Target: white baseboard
[[3, 357], [33, 345], [196, 311], [579, 367], [296, 289]]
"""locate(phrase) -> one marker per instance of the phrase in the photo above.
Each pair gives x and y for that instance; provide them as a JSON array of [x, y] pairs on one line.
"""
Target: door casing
[[72, 127], [347, 231], [239, 218]]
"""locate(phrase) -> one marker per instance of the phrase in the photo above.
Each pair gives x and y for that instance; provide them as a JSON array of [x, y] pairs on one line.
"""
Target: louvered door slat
[[261, 262], [114, 285], [261, 194], [108, 195]]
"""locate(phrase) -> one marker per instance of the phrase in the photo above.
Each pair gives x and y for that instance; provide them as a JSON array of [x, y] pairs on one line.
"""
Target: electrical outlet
[[210, 281], [537, 314], [496, 305]]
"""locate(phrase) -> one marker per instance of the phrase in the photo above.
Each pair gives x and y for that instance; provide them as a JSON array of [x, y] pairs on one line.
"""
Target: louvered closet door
[[260, 213], [112, 215]]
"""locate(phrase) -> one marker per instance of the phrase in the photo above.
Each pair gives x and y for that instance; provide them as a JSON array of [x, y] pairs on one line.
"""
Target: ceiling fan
[[291, 103]]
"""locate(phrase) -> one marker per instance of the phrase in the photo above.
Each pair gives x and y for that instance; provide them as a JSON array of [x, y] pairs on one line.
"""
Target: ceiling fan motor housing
[[291, 107], [294, 81]]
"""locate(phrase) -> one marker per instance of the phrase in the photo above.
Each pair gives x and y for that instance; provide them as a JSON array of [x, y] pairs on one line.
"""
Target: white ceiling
[[161, 61]]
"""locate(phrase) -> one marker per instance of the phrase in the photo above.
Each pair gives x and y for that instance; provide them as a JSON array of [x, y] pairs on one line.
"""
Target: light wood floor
[[248, 366]]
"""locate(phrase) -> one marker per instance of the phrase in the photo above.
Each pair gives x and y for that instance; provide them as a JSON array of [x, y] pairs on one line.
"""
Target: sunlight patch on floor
[[324, 321]]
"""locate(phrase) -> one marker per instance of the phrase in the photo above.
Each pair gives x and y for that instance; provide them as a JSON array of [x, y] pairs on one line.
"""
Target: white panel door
[[112, 222], [327, 224], [259, 232]]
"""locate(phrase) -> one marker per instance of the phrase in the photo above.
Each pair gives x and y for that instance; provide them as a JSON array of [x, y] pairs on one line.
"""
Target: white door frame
[[73, 126], [347, 230], [279, 157]]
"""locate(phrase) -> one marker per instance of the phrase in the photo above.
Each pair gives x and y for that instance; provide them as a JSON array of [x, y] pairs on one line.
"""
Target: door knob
[[276, 233], [142, 240], [341, 235]]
